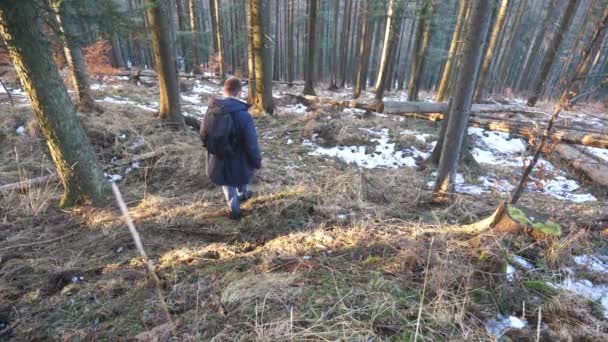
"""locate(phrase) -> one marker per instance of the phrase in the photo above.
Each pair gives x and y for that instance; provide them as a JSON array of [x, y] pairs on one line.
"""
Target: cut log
[[25, 185], [593, 168], [398, 107]]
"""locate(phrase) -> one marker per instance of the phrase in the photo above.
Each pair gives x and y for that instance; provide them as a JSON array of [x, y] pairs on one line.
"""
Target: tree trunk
[[74, 56], [251, 96], [277, 50], [485, 68], [181, 25], [196, 53], [165, 64], [462, 100], [333, 81], [402, 72], [310, 49], [116, 51], [290, 46], [564, 101], [344, 43], [263, 103], [218, 33], [366, 33], [541, 32], [552, 50], [591, 167], [72, 153], [214, 26], [423, 37], [389, 36], [510, 44], [460, 22]]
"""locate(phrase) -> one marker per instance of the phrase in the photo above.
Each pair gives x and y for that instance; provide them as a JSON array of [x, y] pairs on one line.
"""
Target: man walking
[[233, 154]]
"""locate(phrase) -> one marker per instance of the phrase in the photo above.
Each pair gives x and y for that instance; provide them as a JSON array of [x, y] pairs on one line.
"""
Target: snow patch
[[510, 272], [384, 154], [113, 177], [594, 263], [200, 88], [354, 111], [191, 98], [585, 288], [297, 109], [560, 187], [97, 86], [153, 107], [598, 152], [419, 136], [499, 325], [521, 262]]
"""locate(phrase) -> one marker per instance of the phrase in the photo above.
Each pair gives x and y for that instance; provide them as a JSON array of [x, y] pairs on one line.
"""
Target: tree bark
[[218, 33], [423, 37], [263, 103], [564, 101], [277, 49], [344, 41], [71, 151], [116, 51], [196, 53], [485, 68], [169, 110], [462, 100], [364, 51], [290, 45], [333, 81], [593, 168], [389, 36], [251, 96], [74, 57], [460, 22], [552, 50], [311, 47]]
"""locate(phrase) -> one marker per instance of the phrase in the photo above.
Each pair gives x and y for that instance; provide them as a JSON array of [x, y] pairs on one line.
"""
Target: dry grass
[[324, 252]]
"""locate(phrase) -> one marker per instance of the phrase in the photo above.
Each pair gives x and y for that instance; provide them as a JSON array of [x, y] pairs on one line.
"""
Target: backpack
[[219, 132]]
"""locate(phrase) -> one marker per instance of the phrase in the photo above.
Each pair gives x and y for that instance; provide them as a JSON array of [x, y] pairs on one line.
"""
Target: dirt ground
[[325, 250]]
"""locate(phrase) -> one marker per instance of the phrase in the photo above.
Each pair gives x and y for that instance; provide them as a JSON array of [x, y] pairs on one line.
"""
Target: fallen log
[[27, 184], [396, 107], [593, 168], [528, 130]]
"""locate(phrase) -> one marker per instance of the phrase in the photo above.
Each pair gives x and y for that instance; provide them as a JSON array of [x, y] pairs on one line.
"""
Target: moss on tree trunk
[[73, 155]]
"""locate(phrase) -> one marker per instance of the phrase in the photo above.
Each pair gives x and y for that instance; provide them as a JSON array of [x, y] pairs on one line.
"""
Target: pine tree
[[196, 68], [165, 63], [458, 115], [490, 50], [421, 44], [456, 36], [262, 55], [66, 17], [73, 156], [556, 40], [310, 49]]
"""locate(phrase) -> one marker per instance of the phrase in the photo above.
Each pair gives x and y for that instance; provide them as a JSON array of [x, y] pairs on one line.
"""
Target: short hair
[[232, 86]]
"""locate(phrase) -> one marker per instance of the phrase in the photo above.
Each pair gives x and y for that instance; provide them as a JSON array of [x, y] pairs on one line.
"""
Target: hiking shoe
[[245, 196], [233, 216]]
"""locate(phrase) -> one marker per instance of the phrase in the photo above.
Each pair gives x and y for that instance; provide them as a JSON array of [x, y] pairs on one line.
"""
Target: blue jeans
[[232, 194]]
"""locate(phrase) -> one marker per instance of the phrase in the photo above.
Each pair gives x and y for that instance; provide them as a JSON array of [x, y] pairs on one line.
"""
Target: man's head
[[232, 87]]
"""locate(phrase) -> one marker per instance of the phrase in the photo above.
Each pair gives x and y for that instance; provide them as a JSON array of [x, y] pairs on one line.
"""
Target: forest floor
[[339, 242]]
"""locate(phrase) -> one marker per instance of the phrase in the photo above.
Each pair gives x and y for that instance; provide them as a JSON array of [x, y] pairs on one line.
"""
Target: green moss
[[518, 215], [540, 286], [548, 228]]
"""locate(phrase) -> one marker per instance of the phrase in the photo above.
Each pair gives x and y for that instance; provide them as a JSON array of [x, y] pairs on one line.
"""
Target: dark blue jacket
[[239, 169]]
